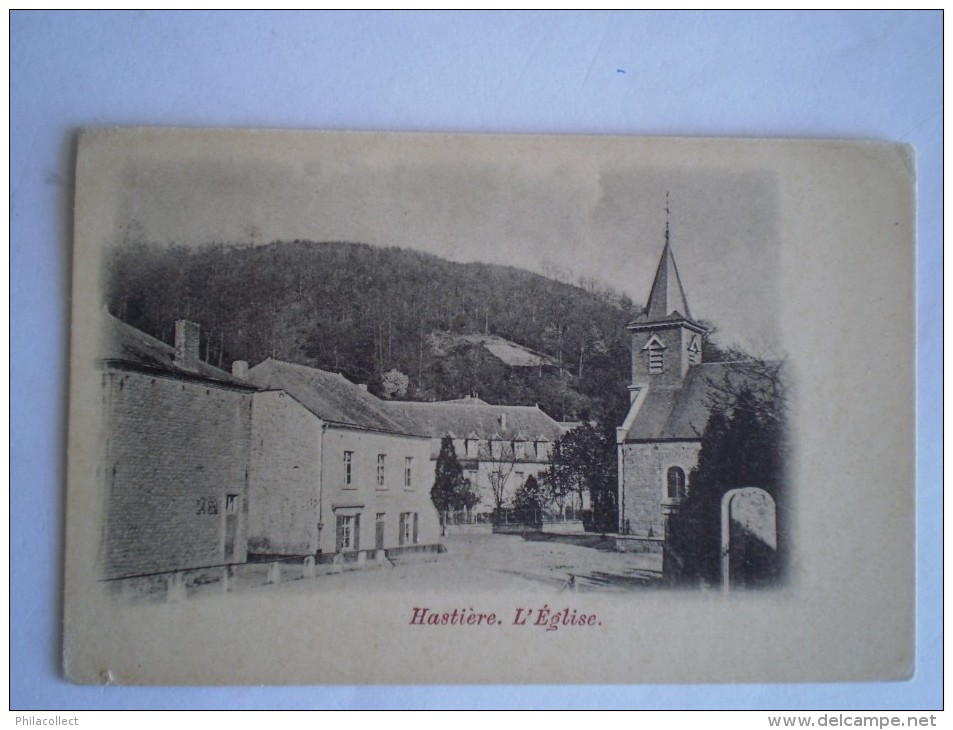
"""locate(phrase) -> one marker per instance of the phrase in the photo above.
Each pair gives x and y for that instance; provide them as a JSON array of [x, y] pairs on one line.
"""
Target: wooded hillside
[[364, 311]]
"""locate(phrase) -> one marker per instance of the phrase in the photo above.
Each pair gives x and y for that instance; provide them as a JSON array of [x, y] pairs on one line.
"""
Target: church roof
[[667, 301], [682, 414], [331, 397]]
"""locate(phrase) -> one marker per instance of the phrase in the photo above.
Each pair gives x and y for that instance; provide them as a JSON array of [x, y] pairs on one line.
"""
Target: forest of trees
[[370, 313], [373, 314]]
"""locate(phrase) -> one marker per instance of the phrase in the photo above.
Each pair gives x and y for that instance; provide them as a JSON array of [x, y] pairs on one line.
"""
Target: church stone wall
[[644, 469]]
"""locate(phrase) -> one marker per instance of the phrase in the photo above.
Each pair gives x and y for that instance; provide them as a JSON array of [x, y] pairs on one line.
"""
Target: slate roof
[[682, 414], [474, 418], [667, 294], [667, 301], [124, 345], [331, 397]]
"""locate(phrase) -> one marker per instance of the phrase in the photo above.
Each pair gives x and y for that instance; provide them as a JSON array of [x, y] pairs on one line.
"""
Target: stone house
[[176, 455], [499, 446], [204, 468], [370, 475]]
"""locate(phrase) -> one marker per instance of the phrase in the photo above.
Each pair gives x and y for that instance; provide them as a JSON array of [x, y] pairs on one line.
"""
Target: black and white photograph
[[533, 391]]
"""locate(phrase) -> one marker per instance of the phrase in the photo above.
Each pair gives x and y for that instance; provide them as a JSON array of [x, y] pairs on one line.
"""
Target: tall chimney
[[188, 338], [240, 369]]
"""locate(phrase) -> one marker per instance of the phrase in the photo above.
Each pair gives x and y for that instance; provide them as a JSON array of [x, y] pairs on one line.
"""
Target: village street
[[482, 562]]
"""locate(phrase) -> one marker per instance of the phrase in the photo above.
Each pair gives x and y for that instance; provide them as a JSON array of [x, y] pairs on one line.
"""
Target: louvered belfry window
[[694, 352], [656, 352]]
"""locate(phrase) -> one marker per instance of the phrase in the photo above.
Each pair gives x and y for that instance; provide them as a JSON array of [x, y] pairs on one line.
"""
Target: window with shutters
[[408, 528], [348, 533]]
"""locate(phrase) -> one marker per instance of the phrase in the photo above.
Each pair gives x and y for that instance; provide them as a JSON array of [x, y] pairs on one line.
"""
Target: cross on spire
[[667, 213]]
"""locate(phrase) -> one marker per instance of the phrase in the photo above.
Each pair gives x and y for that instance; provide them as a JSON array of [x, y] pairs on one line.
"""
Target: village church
[[670, 398]]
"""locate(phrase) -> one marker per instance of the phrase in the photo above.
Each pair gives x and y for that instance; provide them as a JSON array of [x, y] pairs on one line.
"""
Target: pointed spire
[[667, 296]]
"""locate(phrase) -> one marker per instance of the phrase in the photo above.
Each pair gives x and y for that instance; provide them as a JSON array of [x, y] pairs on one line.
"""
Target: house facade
[[284, 481], [204, 468], [370, 472], [498, 446], [176, 456]]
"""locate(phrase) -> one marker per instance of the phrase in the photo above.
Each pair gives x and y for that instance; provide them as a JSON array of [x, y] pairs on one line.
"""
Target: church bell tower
[[666, 341]]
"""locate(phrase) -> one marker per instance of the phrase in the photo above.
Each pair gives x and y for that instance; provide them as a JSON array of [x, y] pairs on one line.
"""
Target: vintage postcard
[[418, 408]]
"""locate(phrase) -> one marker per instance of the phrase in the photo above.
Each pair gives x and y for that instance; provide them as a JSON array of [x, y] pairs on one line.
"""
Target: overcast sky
[[592, 207]]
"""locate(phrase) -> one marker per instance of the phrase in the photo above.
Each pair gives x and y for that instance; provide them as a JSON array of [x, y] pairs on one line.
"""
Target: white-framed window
[[519, 450], [348, 467], [231, 504], [348, 535], [408, 471], [408, 528], [675, 486], [381, 459]]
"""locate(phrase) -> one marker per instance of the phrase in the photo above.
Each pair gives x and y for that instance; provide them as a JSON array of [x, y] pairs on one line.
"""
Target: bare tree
[[763, 380], [500, 460]]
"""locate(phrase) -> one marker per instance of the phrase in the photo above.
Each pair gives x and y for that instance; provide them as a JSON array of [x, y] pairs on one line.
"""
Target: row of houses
[[208, 468], [498, 446]]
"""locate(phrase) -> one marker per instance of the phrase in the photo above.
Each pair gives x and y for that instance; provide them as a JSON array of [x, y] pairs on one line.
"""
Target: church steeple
[[666, 341], [667, 297]]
